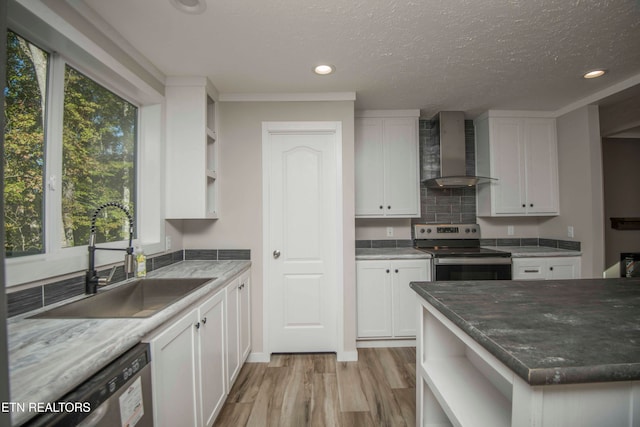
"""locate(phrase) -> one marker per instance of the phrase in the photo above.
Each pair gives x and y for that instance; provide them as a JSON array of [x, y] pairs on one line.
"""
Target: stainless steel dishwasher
[[118, 395]]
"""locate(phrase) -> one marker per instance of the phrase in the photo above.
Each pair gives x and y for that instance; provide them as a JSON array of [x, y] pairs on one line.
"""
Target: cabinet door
[[401, 178], [369, 165], [175, 374], [373, 299], [507, 156], [245, 317], [233, 332], [529, 269], [211, 357], [405, 317], [541, 166], [564, 268]]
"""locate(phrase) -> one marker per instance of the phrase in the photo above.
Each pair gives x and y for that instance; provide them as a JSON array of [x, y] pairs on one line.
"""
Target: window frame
[[149, 157]]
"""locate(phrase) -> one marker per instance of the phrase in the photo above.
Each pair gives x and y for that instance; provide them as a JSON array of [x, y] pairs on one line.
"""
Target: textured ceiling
[[469, 55]]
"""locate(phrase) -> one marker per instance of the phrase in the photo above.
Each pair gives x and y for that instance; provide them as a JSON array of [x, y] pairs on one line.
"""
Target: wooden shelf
[[625, 223]]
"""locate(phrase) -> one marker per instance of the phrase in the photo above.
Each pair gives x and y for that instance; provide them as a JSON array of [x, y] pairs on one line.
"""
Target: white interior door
[[302, 235]]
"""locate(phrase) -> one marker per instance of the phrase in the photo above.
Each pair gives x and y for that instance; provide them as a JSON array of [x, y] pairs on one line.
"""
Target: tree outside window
[[25, 102], [98, 151], [98, 160]]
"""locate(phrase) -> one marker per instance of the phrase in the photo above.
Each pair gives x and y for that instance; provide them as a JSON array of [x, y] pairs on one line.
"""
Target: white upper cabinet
[[521, 152], [386, 164], [192, 148]]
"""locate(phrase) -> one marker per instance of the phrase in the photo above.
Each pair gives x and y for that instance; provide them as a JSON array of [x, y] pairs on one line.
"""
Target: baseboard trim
[[347, 356], [385, 343], [258, 358]]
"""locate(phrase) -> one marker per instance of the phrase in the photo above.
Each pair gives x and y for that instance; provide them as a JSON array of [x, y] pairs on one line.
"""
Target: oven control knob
[[422, 231], [473, 230], [428, 230], [466, 230]]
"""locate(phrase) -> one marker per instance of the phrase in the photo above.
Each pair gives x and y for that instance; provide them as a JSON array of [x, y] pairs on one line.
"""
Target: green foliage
[[24, 154], [99, 147], [98, 151]]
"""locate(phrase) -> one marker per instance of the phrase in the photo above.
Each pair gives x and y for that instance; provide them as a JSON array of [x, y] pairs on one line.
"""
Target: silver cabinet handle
[[276, 254]]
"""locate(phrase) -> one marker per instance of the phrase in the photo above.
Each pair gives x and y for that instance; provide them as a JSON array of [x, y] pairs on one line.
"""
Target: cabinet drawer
[[527, 270]]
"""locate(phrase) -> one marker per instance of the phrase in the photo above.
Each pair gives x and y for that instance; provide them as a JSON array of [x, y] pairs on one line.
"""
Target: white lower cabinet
[[233, 336], [188, 367], [196, 358], [547, 268], [238, 326], [212, 387], [386, 305], [245, 316]]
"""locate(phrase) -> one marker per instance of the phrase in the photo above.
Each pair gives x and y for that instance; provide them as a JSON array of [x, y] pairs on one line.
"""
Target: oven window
[[473, 272]]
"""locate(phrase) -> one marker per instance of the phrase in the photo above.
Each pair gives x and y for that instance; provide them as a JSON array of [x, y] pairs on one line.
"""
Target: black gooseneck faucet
[[92, 280]]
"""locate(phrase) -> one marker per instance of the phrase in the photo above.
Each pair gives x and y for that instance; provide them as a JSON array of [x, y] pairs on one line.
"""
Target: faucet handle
[[102, 281]]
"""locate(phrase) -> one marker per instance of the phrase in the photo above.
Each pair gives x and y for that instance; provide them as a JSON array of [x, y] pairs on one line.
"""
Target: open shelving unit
[[212, 159], [192, 148], [461, 384]]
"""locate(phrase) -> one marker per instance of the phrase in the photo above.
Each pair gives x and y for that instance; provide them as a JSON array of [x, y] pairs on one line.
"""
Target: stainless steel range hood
[[452, 153]]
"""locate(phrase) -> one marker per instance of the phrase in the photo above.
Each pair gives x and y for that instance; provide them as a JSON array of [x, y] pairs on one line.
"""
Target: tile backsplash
[[446, 206], [39, 296]]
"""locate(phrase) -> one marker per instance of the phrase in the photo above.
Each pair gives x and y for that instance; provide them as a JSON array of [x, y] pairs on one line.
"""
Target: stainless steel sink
[[140, 298]]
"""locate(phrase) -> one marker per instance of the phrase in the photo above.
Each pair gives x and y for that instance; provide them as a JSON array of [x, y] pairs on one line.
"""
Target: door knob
[[276, 254]]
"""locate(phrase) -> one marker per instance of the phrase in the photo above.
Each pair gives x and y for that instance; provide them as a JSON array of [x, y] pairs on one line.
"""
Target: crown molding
[[287, 97]]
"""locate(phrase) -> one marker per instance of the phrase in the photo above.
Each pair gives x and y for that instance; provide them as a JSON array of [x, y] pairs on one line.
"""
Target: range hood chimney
[[452, 153]]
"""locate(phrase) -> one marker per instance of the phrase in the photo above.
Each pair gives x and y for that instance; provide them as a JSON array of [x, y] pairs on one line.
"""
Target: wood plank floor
[[315, 390]]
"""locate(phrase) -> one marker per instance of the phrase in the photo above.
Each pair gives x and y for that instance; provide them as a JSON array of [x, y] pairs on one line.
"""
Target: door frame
[[293, 127]]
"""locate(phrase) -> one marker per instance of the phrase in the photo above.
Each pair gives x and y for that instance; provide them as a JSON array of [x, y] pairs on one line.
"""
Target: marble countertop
[[549, 332], [534, 251], [50, 357], [390, 253]]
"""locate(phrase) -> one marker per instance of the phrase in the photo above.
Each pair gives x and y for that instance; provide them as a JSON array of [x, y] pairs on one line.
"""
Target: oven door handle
[[472, 261]]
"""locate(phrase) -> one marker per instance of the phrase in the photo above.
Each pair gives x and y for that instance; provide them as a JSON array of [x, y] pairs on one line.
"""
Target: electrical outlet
[[389, 231], [570, 231], [167, 243], [509, 230]]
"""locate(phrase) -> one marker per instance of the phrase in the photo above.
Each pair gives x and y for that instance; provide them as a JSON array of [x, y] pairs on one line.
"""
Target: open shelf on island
[[465, 395], [465, 383]]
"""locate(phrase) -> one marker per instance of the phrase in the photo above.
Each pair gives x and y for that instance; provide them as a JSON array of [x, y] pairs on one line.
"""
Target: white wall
[[240, 175], [376, 228], [621, 179], [581, 188], [494, 228]]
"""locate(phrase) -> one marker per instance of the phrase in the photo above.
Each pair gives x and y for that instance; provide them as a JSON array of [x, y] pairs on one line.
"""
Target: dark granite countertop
[[549, 332]]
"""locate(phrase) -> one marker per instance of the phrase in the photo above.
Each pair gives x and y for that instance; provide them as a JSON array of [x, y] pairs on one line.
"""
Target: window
[[98, 152], [93, 150]]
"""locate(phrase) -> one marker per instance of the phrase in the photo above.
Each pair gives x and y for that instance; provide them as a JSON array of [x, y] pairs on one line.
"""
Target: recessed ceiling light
[[190, 6], [594, 73], [323, 70]]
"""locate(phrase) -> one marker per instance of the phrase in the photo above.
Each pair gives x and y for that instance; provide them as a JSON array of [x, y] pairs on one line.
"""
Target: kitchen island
[[529, 353]]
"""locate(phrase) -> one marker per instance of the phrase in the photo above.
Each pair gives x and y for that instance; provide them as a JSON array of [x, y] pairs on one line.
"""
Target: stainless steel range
[[457, 254]]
